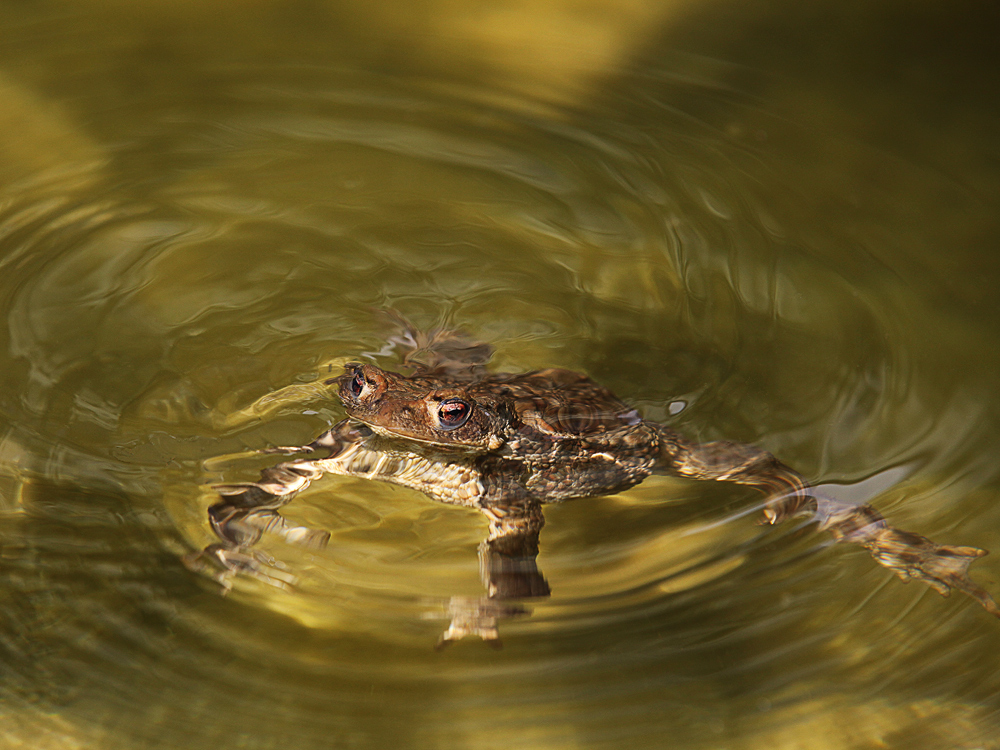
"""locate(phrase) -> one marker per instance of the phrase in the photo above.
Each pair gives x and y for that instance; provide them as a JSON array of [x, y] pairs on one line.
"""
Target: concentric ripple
[[670, 240]]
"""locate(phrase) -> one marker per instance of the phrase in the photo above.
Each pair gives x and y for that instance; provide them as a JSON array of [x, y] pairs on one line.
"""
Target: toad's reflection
[[505, 444]]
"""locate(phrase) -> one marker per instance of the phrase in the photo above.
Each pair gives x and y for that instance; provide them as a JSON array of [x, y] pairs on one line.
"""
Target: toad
[[506, 445]]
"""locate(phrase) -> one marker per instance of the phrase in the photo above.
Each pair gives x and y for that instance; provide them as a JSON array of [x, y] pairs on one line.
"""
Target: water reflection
[[190, 227]]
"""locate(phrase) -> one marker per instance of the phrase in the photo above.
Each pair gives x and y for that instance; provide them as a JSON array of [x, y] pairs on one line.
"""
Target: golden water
[[753, 223]]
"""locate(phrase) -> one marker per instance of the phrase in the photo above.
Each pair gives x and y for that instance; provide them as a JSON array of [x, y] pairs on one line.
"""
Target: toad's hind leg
[[908, 555], [741, 463], [509, 573]]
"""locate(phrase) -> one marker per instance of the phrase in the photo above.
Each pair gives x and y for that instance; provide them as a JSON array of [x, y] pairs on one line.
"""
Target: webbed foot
[[941, 566], [908, 555]]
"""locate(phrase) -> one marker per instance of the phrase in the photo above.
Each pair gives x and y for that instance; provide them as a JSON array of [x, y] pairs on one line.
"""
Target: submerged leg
[[741, 463], [249, 509], [509, 572], [908, 555]]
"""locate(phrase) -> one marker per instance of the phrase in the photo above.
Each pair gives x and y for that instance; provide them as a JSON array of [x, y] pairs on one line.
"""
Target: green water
[[758, 223]]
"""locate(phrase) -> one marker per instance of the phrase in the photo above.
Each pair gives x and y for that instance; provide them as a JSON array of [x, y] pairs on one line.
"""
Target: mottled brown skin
[[545, 436], [508, 443]]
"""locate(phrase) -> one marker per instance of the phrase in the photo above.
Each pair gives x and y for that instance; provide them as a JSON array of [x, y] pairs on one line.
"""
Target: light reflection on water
[[158, 286]]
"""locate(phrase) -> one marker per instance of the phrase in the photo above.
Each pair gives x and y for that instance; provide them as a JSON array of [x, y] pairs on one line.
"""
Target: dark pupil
[[357, 384], [453, 413]]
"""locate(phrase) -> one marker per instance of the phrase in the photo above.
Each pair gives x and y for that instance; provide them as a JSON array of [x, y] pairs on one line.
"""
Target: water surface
[[193, 221]]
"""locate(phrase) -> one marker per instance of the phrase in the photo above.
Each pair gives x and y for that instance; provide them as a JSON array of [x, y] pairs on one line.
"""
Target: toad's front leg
[[245, 511]]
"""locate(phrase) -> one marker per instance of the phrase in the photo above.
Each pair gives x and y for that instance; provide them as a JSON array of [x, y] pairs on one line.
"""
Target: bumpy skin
[[508, 443]]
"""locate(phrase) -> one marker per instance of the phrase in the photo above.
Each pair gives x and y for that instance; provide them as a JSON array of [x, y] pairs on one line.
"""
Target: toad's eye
[[453, 413], [357, 384]]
